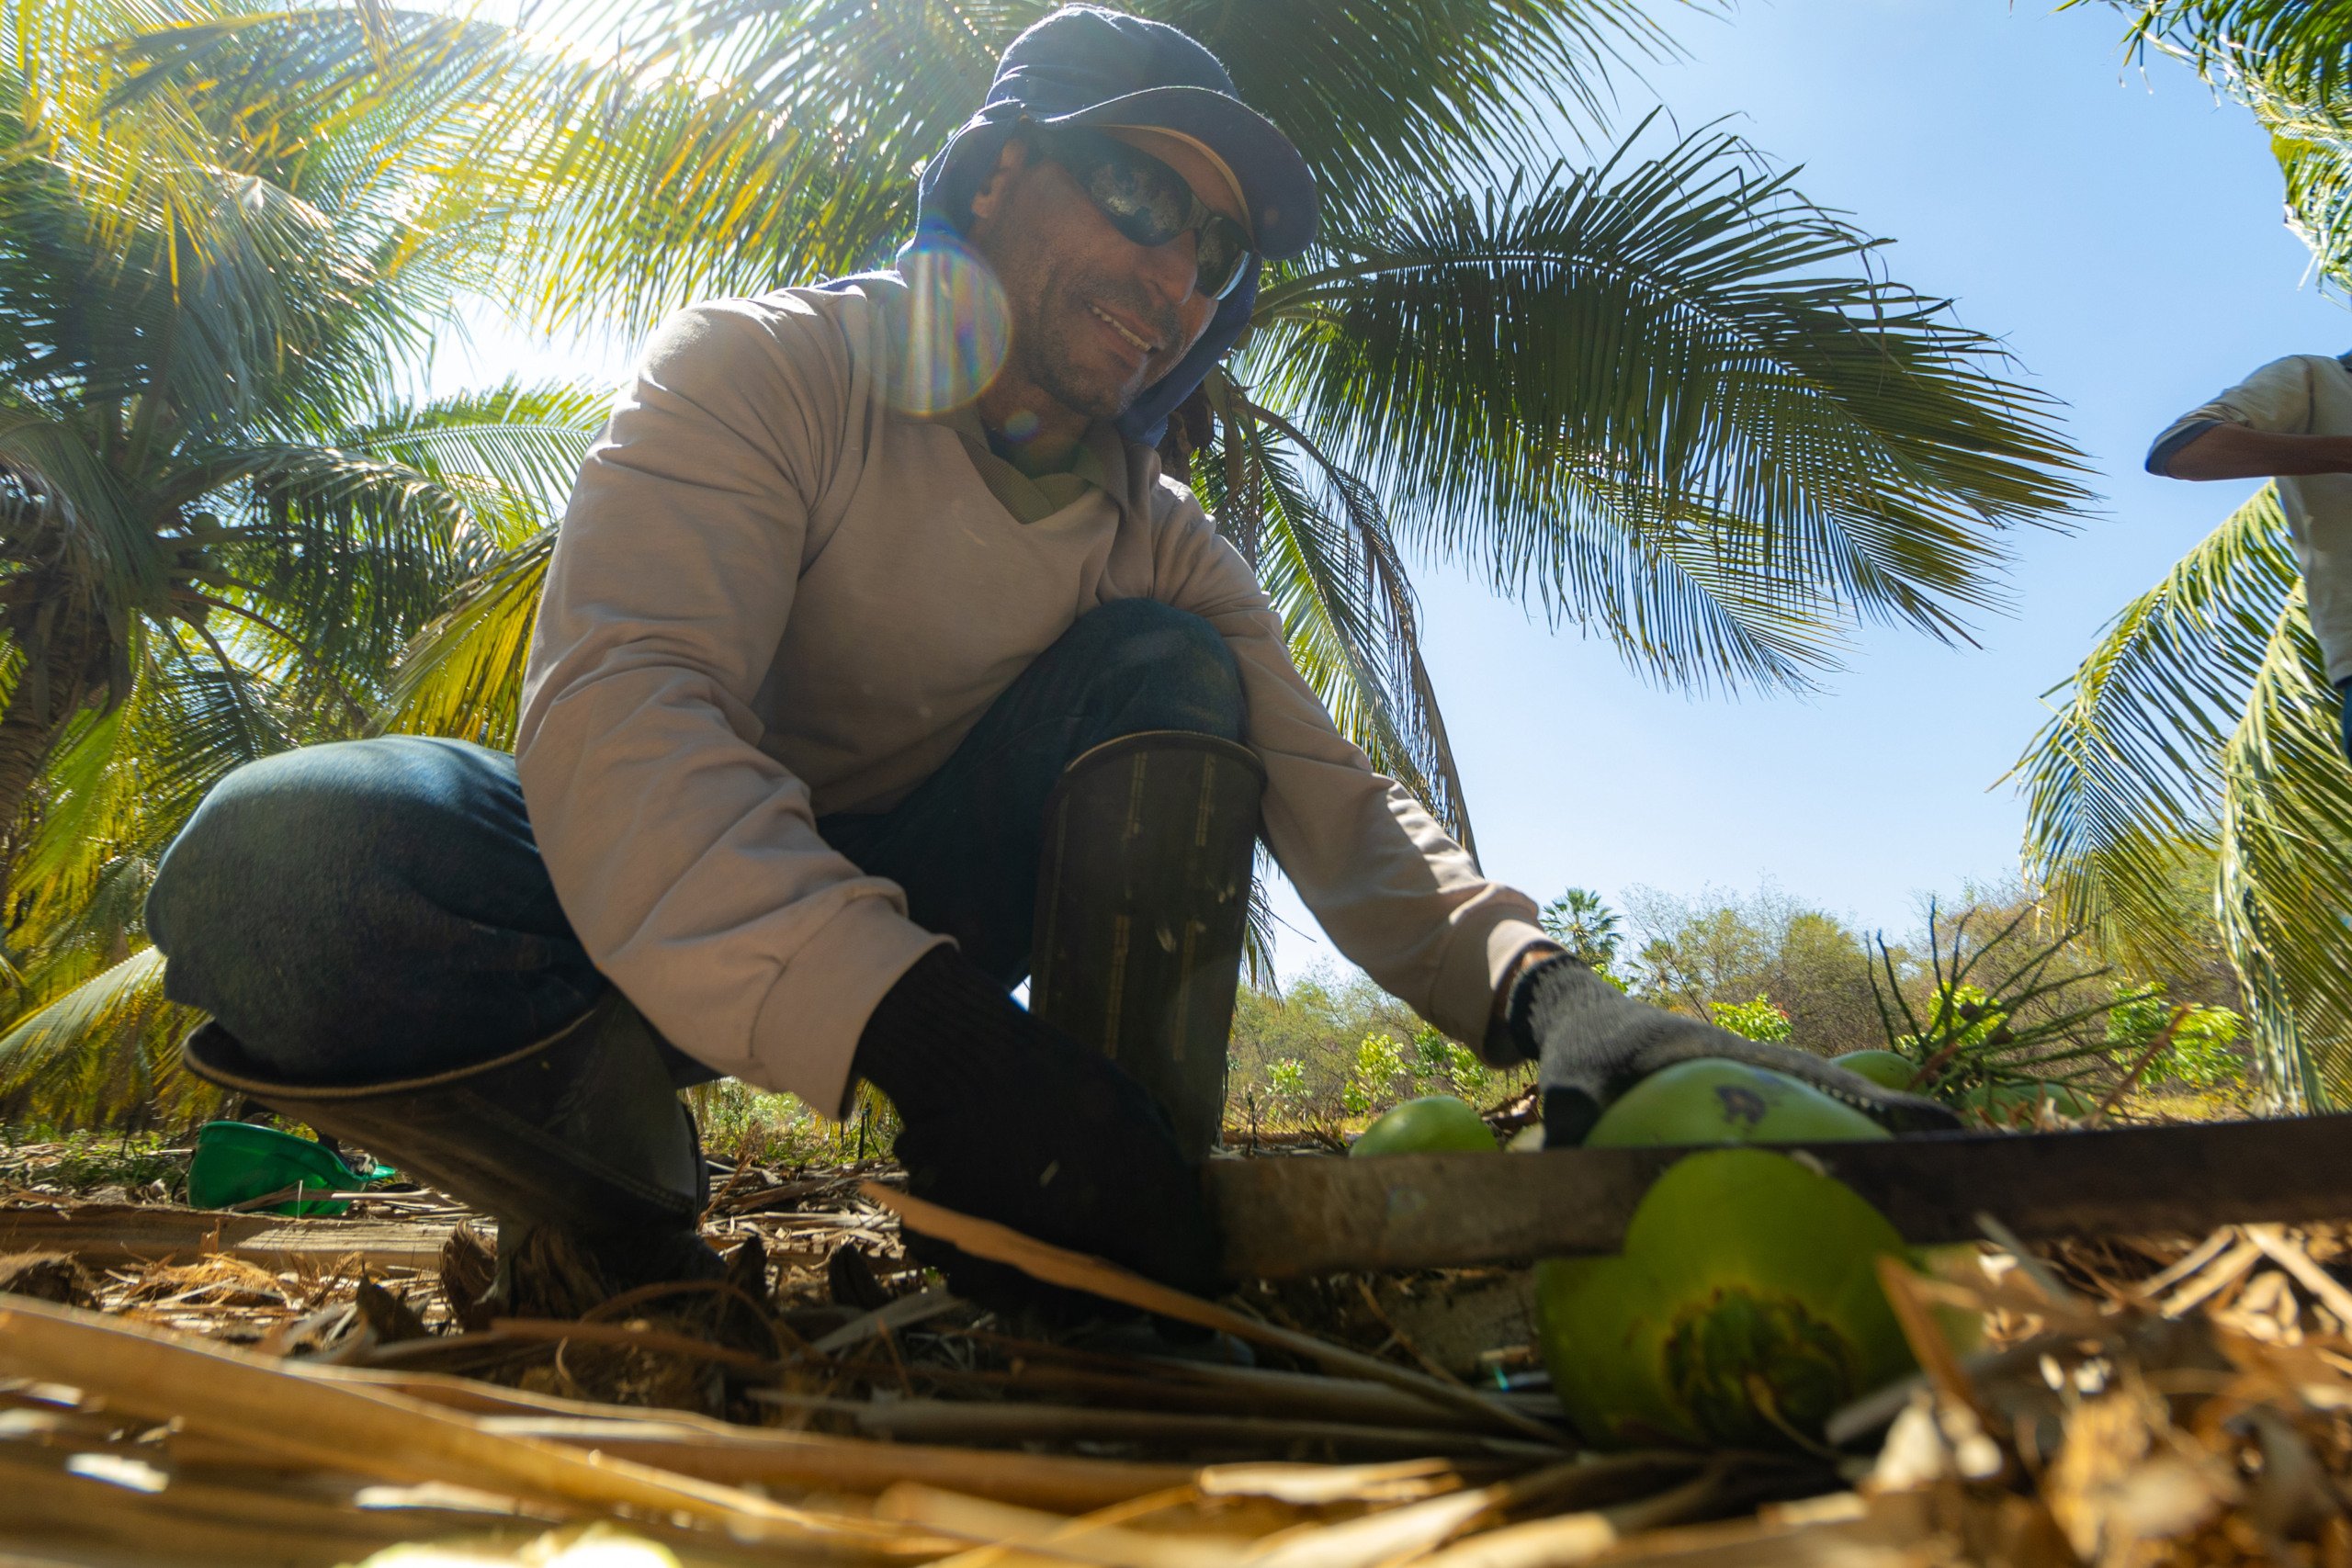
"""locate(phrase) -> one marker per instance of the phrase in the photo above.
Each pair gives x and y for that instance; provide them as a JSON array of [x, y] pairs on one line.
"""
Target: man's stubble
[[1046, 337]]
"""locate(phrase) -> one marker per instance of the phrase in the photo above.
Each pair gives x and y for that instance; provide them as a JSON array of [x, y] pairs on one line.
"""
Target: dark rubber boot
[[580, 1133], [1143, 895]]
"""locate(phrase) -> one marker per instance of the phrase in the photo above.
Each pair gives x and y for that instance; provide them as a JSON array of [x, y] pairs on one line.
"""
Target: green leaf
[[2123, 785], [2286, 866], [101, 1053], [463, 675]]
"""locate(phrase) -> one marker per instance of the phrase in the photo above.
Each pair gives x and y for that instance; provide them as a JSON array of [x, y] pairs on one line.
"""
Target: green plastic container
[[236, 1162]]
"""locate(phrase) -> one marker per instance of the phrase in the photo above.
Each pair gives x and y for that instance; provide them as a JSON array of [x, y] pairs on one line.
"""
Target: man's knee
[[285, 842], [1170, 669]]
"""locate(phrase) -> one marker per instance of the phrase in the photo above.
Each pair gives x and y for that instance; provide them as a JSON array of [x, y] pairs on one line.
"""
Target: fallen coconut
[[1712, 1101], [1888, 1069], [1744, 1311], [1435, 1123]]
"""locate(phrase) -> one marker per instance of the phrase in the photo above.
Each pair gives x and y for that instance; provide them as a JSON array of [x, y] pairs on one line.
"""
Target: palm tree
[[2198, 740], [222, 517], [1659, 396], [1580, 921]]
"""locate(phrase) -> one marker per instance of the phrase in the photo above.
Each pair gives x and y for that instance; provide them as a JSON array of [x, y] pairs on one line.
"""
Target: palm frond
[[2315, 154], [513, 451], [737, 146], [2285, 856], [463, 675], [67, 503], [105, 1053], [2299, 47], [2290, 63], [1321, 546], [2124, 786], [2200, 739], [121, 784], [1669, 397]]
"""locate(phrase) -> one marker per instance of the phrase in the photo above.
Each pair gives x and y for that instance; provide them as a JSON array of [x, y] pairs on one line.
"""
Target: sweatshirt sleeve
[[2277, 397], [688, 859], [1397, 896]]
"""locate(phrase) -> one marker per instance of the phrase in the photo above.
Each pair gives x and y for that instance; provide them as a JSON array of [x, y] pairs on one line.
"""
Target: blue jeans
[[370, 909]]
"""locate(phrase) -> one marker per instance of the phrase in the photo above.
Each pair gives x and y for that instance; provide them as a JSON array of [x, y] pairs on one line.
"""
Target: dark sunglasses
[[1149, 202]]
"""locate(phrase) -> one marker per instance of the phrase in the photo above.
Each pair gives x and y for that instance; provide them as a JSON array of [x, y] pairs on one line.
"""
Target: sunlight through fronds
[[463, 676], [221, 515], [105, 1053]]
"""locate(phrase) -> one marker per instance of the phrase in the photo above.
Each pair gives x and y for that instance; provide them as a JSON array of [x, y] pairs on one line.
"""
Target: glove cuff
[[1536, 984]]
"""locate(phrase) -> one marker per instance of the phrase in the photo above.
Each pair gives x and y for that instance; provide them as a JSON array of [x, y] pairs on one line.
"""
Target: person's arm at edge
[[2226, 451], [2258, 429]]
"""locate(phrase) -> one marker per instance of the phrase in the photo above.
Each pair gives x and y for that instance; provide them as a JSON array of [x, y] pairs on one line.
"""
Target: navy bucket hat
[[1087, 66]]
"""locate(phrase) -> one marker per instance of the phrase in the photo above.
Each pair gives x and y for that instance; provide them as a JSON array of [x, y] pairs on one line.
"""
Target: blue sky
[[2118, 228], [2121, 233]]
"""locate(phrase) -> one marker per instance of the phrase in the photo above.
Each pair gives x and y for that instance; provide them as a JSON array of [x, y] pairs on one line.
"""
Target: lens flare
[[957, 326]]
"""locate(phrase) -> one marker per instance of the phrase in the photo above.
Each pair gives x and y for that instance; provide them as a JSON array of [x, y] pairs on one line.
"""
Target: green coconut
[[1888, 1069], [1745, 1309], [1435, 1123], [1715, 1102]]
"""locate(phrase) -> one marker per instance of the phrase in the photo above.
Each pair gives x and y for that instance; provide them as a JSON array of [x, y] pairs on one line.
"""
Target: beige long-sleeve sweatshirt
[[776, 594]]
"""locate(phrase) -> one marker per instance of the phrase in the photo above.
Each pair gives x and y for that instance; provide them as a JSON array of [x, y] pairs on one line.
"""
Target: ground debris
[[2190, 1409], [47, 1276], [2134, 1402]]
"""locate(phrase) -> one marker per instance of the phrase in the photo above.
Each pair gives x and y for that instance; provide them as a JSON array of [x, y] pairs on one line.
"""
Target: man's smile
[[1116, 325]]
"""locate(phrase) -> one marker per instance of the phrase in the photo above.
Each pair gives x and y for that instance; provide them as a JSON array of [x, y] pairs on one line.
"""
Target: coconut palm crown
[[222, 514]]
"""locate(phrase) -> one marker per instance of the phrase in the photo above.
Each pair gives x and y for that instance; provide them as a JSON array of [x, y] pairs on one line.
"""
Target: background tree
[[221, 515], [1328, 1050], [1717, 949], [2196, 748], [1580, 921]]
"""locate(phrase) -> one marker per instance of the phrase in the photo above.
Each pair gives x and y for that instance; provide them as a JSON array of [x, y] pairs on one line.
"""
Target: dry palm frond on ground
[[2134, 1402]]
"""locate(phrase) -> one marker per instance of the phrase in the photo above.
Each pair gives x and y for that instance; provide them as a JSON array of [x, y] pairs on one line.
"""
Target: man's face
[[1096, 318]]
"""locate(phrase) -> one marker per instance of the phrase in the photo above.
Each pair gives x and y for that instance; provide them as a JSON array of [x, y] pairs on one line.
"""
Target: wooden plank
[[112, 1235], [1301, 1215]]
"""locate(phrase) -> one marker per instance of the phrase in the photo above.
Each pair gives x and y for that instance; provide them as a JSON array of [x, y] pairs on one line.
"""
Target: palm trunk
[[37, 712], [25, 740]]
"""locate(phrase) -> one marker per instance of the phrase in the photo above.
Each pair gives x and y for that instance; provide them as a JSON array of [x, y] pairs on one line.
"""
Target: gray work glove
[[1593, 1042]]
